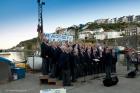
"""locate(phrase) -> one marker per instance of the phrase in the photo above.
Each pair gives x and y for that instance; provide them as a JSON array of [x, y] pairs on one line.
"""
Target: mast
[[40, 19]]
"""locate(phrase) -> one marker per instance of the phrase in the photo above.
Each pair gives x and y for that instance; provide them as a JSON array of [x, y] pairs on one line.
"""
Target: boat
[[5, 53], [5, 70], [34, 62]]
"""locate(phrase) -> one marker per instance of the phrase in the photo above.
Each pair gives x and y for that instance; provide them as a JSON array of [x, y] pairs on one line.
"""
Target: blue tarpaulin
[[2, 59], [5, 70]]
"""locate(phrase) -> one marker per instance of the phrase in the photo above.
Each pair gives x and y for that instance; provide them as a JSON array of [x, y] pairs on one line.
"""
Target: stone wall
[[130, 41]]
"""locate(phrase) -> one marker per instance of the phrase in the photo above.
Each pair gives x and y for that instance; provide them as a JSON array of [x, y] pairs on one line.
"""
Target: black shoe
[[59, 78], [67, 85], [52, 76], [74, 80]]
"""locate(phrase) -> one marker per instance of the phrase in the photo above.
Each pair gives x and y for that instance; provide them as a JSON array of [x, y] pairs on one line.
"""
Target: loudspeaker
[[110, 82], [131, 74]]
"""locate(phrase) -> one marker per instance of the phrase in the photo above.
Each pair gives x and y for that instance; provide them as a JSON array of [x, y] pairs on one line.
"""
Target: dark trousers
[[85, 69], [96, 68], [102, 67], [53, 71], [57, 70], [136, 66], [73, 74], [128, 62], [77, 71], [113, 68], [66, 77], [90, 71], [45, 66], [108, 71]]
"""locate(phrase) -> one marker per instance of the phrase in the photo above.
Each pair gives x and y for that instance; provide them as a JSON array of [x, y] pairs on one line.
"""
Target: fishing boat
[[5, 72], [5, 53]]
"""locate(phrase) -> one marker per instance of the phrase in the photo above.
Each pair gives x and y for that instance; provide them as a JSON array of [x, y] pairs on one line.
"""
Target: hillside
[[106, 27], [30, 44]]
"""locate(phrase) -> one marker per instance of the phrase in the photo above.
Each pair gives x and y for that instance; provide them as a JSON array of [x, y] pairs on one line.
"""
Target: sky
[[19, 18]]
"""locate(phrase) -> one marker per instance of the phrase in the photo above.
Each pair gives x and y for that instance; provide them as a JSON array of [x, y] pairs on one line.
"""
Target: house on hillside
[[100, 36], [107, 35], [137, 18], [133, 30], [112, 21], [122, 19], [85, 34], [71, 31], [112, 34], [101, 21], [130, 18], [99, 30], [89, 34], [60, 30]]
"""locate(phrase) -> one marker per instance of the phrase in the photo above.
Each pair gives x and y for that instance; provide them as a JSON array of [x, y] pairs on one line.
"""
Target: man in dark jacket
[[108, 63], [45, 57], [57, 56], [95, 61], [114, 60], [65, 66], [72, 66], [53, 61], [83, 66]]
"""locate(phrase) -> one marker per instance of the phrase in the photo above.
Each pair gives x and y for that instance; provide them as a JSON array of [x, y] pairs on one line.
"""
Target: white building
[[107, 35], [122, 19], [60, 30], [132, 31], [85, 34], [127, 19], [99, 30], [130, 18], [113, 34], [70, 31], [101, 21], [89, 33], [100, 36], [109, 21], [137, 18], [112, 21]]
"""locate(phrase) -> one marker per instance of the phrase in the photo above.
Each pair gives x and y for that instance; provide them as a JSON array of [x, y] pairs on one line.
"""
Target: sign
[[53, 91], [59, 37]]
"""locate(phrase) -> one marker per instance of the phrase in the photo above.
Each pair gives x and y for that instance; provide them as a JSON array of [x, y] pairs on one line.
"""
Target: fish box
[[20, 72]]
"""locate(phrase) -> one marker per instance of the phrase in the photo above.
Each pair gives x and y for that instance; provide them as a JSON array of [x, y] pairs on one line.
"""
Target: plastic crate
[[20, 72]]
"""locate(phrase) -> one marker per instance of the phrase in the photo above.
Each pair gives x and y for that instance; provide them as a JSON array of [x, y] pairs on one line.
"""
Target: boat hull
[[35, 62]]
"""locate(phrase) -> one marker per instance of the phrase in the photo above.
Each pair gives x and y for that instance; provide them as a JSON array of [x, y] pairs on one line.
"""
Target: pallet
[[52, 81], [44, 79]]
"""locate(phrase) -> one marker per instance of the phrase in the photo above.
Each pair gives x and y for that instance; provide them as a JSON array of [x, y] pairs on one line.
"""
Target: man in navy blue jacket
[[108, 62], [65, 66], [45, 57]]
